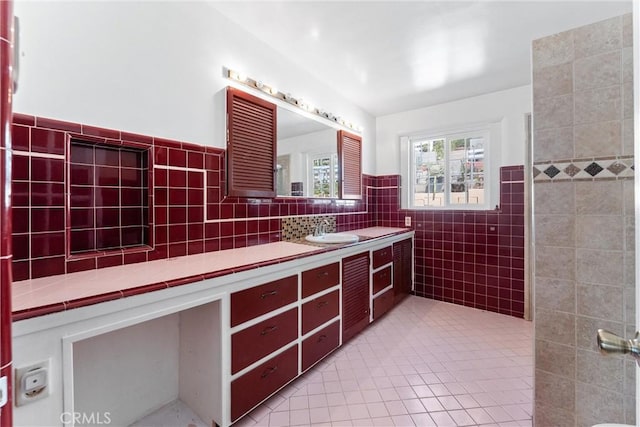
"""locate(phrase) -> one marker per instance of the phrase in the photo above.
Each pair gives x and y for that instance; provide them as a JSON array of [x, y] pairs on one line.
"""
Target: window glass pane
[[475, 168], [457, 171], [321, 170], [429, 169], [466, 171]]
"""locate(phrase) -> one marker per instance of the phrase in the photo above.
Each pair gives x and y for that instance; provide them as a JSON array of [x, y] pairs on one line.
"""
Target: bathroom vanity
[[220, 331]]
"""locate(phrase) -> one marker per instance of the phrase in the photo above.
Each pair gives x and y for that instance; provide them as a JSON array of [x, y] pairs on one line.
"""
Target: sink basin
[[333, 238]]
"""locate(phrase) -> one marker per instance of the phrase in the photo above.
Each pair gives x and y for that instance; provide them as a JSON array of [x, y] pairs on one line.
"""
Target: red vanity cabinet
[[355, 294]]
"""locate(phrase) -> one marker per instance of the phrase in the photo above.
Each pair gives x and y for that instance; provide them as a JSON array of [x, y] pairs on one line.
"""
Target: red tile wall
[[473, 258], [108, 198], [6, 51], [190, 213]]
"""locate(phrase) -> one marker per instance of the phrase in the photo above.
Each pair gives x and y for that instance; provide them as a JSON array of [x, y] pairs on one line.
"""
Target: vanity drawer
[[320, 310], [320, 344], [382, 256], [381, 279], [256, 385], [383, 303], [257, 341], [319, 279], [259, 300]]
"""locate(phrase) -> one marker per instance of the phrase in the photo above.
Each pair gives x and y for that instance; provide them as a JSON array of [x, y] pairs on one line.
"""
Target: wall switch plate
[[32, 382], [407, 221], [3, 391]]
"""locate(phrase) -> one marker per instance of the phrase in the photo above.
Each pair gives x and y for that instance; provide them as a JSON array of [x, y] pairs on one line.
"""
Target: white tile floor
[[426, 363]]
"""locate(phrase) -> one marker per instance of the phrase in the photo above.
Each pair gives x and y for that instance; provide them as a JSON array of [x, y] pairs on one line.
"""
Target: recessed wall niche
[[108, 198]]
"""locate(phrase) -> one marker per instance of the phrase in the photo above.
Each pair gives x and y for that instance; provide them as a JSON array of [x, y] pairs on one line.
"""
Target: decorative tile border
[[604, 168], [296, 227]]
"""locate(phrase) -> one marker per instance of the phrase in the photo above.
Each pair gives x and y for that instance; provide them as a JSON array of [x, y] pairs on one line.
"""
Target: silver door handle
[[612, 343]]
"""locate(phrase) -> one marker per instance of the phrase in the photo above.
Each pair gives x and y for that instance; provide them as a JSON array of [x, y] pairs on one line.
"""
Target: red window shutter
[[350, 154], [251, 145]]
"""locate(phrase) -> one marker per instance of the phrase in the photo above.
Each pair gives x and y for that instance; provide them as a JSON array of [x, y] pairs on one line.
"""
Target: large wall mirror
[[307, 157], [275, 151]]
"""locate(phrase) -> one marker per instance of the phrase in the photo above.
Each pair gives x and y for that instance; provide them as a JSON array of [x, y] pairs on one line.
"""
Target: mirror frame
[[354, 150]]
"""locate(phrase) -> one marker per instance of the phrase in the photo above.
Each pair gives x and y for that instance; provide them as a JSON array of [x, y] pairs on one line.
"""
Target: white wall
[[507, 107], [142, 356], [153, 68]]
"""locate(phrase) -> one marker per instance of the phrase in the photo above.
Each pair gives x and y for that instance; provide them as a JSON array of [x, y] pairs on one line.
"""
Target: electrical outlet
[[407, 221], [32, 382]]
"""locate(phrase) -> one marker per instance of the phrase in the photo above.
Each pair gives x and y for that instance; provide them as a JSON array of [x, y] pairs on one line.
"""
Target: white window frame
[[408, 167]]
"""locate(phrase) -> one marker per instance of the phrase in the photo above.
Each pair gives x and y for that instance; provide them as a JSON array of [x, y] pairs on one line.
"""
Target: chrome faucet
[[321, 228]]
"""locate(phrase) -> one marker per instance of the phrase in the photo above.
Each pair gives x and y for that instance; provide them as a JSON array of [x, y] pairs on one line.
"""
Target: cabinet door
[[350, 154], [256, 385], [259, 300], [355, 294], [382, 256], [251, 145], [382, 304], [381, 279], [257, 341], [402, 269], [320, 310], [318, 345], [320, 278]]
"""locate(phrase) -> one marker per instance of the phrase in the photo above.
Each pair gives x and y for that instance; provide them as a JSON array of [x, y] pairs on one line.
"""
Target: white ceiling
[[392, 56]]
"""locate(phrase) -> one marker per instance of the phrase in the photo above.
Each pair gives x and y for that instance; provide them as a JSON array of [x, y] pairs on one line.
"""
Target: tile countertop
[[46, 295]]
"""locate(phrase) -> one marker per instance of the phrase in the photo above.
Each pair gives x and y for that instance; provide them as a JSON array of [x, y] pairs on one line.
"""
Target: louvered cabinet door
[[251, 145], [350, 155], [355, 295], [402, 269]]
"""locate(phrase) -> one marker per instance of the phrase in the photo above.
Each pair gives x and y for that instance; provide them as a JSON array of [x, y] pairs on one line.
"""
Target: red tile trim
[[45, 123], [132, 139], [144, 289], [24, 119], [96, 299], [101, 132], [185, 280], [36, 312]]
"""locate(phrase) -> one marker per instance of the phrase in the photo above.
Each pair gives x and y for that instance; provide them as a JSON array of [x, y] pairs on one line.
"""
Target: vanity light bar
[[298, 102]]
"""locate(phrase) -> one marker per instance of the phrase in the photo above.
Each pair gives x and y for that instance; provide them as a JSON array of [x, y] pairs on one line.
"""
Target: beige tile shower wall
[[584, 223]]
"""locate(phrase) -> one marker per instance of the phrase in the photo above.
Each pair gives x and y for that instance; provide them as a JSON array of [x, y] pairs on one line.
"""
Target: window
[[324, 174], [447, 171]]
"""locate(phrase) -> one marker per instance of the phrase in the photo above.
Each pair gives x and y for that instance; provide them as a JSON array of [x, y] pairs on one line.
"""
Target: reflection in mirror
[[307, 163]]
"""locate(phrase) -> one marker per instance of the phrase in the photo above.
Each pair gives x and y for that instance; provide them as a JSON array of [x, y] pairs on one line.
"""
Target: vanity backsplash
[[297, 227], [86, 197]]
